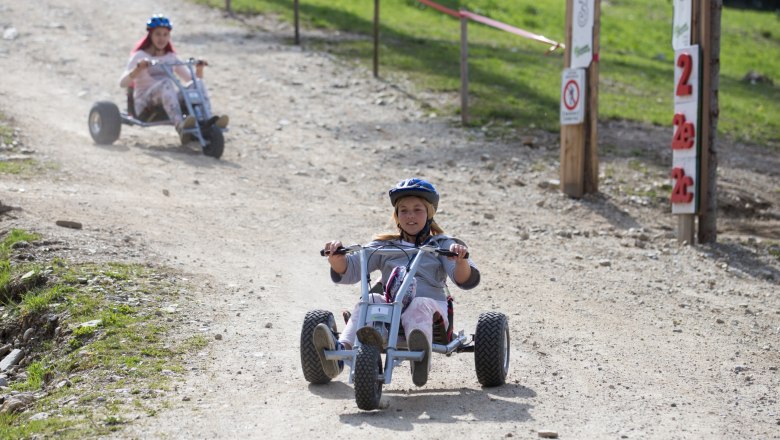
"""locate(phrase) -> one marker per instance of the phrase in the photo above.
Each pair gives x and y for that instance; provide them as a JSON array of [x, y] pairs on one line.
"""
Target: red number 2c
[[680, 192]]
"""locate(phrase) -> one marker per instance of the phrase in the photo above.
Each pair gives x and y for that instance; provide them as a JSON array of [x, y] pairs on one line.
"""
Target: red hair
[[146, 41]]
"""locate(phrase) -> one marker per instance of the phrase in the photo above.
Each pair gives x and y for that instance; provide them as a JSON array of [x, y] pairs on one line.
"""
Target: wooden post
[[296, 18], [592, 110], [228, 8], [686, 223], [464, 70], [708, 208], [572, 164], [376, 38], [579, 142]]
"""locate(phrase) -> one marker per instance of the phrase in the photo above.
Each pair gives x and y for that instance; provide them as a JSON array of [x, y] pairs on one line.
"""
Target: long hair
[[435, 229], [146, 41]]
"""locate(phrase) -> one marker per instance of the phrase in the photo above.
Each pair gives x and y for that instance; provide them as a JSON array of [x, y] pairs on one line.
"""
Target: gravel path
[[617, 332]]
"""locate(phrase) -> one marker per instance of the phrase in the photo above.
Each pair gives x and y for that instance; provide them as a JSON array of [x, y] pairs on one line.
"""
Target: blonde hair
[[434, 230]]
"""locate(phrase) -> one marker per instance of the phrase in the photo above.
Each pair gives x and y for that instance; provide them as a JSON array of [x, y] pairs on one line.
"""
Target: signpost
[[685, 139], [579, 99], [695, 115]]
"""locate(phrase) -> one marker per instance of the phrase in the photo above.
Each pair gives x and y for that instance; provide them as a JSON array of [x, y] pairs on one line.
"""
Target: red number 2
[[686, 62], [680, 192], [684, 133]]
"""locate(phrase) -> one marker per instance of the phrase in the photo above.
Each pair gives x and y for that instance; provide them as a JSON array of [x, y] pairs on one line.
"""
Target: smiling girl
[[414, 202]]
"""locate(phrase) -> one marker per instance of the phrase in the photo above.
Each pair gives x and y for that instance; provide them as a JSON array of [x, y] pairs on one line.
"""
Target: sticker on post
[[572, 96]]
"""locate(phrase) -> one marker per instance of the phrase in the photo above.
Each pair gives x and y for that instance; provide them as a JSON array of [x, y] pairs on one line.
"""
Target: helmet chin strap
[[419, 236]]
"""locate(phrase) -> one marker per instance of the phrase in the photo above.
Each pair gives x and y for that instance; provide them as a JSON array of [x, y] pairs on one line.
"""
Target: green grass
[[15, 236], [35, 377], [39, 300], [17, 166], [6, 131], [511, 78], [131, 342]]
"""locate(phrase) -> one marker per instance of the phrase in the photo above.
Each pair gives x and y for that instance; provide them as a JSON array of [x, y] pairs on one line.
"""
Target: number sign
[[685, 139]]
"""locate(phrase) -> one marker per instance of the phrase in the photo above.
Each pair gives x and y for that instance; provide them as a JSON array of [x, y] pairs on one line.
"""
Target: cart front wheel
[[215, 142], [310, 360], [368, 377]]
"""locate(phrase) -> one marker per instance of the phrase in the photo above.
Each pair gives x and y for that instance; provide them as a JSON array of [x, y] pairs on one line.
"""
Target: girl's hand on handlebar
[[459, 249], [144, 63], [331, 247], [200, 63], [337, 261]]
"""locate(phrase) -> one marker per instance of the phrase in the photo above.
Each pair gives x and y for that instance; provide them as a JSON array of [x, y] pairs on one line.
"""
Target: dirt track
[[617, 332]]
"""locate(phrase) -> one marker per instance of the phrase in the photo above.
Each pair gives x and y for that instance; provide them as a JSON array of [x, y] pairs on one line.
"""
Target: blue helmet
[[415, 187], [158, 20]]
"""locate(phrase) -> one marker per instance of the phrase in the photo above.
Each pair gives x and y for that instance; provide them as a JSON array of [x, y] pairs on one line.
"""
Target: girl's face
[[412, 214], [160, 38]]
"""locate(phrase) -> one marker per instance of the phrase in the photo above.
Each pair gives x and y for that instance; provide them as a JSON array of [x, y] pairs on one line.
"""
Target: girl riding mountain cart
[[414, 203], [152, 87]]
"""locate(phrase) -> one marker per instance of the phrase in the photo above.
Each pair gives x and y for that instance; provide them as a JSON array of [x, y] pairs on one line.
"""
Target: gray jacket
[[431, 275]]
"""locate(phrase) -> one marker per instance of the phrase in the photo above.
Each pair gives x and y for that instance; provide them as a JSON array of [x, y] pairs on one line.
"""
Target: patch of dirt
[[617, 331]]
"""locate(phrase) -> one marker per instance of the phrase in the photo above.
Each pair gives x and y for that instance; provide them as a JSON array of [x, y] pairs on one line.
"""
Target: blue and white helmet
[[158, 20], [415, 187]]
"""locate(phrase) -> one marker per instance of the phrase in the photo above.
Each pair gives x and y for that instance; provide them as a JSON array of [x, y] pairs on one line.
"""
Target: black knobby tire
[[368, 384], [310, 360], [105, 123], [216, 142], [491, 349]]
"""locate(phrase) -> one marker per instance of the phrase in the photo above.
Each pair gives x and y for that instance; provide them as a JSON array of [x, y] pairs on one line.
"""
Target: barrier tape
[[495, 24], [441, 8], [512, 30]]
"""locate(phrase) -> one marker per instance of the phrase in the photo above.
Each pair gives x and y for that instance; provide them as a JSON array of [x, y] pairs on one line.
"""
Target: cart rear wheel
[[491, 349], [310, 360], [368, 380], [105, 123]]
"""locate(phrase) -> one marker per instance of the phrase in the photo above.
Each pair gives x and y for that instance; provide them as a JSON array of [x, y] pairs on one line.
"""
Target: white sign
[[582, 33], [685, 137], [684, 179], [572, 96], [681, 24]]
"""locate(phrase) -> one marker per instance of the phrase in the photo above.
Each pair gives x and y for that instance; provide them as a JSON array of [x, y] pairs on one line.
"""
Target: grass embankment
[[7, 138], [511, 79], [100, 351]]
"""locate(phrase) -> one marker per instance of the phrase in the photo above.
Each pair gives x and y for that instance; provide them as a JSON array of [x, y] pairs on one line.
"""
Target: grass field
[[512, 79]]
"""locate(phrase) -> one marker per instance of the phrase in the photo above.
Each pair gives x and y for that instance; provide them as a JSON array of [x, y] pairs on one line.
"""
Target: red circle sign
[[571, 95]]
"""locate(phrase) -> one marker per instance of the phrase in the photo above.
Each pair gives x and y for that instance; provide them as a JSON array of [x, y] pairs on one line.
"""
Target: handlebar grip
[[447, 253], [340, 251]]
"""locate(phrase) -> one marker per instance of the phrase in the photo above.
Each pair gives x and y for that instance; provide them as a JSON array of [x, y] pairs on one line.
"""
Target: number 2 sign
[[685, 139]]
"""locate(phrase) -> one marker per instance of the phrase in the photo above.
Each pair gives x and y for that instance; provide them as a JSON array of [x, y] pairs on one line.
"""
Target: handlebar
[[194, 61], [341, 250]]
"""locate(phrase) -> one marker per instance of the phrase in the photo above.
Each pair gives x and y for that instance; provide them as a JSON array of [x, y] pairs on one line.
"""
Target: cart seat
[[150, 114]]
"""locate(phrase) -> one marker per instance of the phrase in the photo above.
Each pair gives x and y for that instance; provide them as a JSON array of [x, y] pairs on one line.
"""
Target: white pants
[[419, 315], [166, 94]]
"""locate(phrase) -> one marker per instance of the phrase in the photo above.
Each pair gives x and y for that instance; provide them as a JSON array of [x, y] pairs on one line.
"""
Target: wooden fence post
[[464, 70], [296, 20], [376, 38]]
